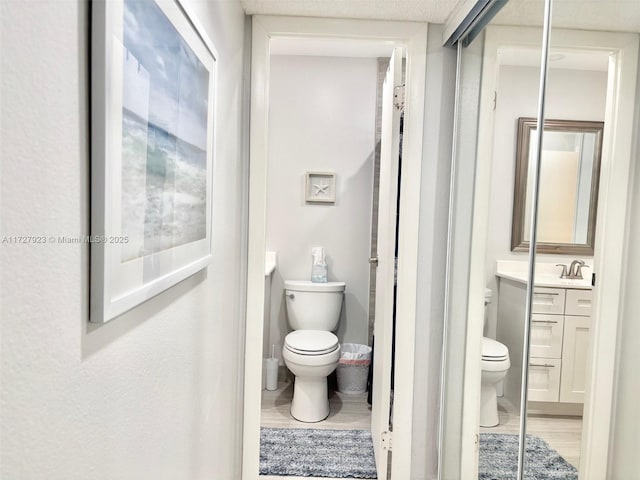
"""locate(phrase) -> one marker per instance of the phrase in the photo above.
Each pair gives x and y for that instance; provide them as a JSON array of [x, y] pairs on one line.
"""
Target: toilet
[[495, 363], [311, 351]]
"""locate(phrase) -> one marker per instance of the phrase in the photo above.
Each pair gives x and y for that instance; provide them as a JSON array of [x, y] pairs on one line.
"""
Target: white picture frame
[[320, 187], [152, 151]]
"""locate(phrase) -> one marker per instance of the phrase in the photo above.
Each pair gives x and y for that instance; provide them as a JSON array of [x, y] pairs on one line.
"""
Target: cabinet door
[[578, 302], [546, 336], [548, 300], [544, 379], [575, 351]]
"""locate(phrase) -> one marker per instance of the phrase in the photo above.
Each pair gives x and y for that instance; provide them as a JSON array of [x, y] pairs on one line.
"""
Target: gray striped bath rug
[[312, 452], [499, 459]]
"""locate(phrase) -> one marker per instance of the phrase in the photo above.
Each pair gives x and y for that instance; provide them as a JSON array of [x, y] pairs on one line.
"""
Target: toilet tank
[[313, 306]]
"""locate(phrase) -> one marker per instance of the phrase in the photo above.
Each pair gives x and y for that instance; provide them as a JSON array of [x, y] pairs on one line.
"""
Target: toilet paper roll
[[271, 366]]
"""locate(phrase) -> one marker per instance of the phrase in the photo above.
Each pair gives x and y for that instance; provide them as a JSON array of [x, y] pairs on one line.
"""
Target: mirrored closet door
[[541, 160], [570, 340], [498, 72]]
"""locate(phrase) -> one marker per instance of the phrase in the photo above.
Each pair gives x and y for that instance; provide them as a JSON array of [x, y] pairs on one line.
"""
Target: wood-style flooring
[[348, 412], [564, 434]]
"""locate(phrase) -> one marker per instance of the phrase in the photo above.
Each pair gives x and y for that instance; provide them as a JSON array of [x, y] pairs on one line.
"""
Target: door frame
[[613, 206], [413, 37]]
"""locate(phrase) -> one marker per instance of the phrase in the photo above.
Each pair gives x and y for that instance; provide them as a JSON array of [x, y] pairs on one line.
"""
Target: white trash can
[[353, 368]]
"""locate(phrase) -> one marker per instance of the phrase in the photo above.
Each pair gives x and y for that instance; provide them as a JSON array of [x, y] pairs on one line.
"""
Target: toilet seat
[[495, 356], [311, 342], [495, 365]]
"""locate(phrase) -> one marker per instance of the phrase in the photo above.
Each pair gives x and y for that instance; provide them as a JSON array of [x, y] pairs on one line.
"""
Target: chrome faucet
[[564, 270], [575, 270]]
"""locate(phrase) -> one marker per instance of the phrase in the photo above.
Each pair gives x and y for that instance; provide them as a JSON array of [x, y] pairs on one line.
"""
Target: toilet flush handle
[[291, 296]]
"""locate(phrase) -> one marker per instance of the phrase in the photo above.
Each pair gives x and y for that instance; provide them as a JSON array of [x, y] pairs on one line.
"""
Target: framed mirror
[[569, 177]]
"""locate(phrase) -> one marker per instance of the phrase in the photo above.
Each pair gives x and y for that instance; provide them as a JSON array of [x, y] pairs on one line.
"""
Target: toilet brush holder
[[271, 366]]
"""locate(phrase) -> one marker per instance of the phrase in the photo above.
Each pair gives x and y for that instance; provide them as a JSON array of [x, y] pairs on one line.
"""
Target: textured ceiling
[[434, 11], [609, 15], [614, 15]]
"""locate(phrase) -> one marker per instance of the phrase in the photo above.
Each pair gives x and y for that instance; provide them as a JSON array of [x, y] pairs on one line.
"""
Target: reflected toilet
[[495, 364]]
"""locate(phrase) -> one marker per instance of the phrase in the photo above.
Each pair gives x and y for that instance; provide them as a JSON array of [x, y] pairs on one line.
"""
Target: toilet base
[[489, 406], [310, 399]]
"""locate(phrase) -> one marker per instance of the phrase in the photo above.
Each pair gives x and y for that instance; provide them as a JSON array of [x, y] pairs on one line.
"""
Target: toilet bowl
[[495, 364], [311, 355], [311, 351]]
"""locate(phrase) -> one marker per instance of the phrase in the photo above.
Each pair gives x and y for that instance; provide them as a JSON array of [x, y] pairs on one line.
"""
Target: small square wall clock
[[320, 187]]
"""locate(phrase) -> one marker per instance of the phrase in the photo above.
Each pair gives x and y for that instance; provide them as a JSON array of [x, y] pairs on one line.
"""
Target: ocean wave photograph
[[164, 135]]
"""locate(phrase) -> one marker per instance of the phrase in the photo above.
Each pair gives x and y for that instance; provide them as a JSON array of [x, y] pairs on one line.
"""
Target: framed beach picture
[[152, 143]]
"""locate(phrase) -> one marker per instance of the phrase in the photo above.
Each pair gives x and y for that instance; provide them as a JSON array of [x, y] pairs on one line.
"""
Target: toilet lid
[[493, 350], [311, 342]]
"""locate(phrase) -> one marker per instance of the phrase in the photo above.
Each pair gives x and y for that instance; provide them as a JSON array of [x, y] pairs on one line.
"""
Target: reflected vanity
[[568, 186], [559, 338]]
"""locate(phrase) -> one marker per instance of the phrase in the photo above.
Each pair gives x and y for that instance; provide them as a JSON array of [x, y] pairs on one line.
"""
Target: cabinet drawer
[[546, 336], [548, 300], [544, 379], [578, 302]]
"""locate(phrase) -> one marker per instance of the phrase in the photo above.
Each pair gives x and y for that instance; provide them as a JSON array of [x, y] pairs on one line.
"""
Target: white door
[[387, 213]]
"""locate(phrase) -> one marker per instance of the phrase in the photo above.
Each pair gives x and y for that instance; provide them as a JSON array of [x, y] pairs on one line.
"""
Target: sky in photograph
[[178, 83]]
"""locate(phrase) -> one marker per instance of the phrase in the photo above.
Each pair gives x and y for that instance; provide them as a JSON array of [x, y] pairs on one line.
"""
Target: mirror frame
[[525, 126]]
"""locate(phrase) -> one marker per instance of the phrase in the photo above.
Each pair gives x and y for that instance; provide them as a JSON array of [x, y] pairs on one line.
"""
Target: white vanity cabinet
[[559, 344], [575, 349]]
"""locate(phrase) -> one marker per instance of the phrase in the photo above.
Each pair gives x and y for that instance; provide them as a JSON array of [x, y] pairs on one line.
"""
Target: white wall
[[155, 393], [567, 94], [321, 118], [434, 199]]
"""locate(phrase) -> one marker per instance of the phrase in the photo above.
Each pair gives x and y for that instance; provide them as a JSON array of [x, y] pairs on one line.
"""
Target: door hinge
[[386, 440], [495, 99], [398, 97], [477, 443]]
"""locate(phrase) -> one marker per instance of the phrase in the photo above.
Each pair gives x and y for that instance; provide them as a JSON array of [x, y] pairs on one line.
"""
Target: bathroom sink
[[547, 275], [547, 280], [550, 280]]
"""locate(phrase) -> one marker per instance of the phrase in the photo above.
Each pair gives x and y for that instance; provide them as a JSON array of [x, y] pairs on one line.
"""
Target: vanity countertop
[[547, 275], [270, 263]]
